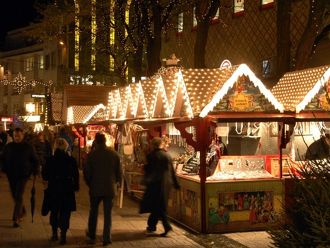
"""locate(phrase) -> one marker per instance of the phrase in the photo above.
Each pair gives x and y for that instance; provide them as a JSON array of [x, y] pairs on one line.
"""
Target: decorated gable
[[244, 96], [241, 91]]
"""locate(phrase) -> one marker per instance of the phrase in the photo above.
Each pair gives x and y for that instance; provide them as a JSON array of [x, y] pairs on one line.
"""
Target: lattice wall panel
[[299, 18]]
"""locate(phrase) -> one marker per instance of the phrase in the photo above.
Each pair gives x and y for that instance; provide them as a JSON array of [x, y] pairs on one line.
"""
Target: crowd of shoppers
[[26, 155]]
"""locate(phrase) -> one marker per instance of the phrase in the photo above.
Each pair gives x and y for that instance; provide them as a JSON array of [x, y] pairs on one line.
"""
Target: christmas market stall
[[78, 106], [223, 128], [306, 94]]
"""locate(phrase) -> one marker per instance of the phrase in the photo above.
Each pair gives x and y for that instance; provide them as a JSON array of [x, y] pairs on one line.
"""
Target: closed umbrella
[[33, 199]]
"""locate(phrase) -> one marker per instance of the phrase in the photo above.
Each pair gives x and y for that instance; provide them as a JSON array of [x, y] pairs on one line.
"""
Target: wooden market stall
[[191, 107], [305, 93]]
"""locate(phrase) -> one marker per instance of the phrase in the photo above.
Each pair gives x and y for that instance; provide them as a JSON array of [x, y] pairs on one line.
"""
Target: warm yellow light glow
[[30, 107], [70, 118]]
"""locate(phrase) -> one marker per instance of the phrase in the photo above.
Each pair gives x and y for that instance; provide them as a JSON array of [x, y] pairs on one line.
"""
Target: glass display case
[[240, 167]]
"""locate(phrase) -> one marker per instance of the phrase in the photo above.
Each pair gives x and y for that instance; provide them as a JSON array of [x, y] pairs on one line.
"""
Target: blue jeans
[[93, 214]]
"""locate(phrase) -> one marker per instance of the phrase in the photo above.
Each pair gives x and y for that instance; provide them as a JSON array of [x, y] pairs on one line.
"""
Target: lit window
[[76, 36], [41, 62], [93, 35], [112, 43], [194, 17], [180, 22], [111, 63], [29, 64], [127, 15], [238, 6], [266, 69]]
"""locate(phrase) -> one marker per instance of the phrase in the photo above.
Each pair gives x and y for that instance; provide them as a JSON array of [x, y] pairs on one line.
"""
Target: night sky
[[15, 14]]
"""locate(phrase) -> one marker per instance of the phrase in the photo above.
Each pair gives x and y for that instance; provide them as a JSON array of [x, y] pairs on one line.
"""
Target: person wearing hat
[[62, 176], [319, 149]]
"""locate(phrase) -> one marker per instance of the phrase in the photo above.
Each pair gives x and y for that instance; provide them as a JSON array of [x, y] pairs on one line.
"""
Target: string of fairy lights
[[19, 83]]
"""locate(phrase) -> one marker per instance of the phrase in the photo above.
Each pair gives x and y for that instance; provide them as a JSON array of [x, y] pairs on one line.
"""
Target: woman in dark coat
[[159, 177], [61, 173]]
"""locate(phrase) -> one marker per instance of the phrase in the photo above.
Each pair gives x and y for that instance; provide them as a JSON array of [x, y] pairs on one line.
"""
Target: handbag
[[127, 142], [45, 207]]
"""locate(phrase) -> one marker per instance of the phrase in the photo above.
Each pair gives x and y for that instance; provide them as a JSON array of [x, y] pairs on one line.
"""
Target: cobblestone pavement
[[127, 228]]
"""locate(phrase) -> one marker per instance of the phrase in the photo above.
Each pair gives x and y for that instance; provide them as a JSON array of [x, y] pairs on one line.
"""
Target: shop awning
[[297, 89]]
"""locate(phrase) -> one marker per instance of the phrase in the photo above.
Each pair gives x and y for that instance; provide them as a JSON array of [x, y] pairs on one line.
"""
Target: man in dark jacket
[[319, 149], [102, 172], [19, 163], [159, 178]]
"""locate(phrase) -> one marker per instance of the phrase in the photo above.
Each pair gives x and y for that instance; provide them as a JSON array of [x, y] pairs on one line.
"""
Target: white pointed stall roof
[[296, 89], [181, 92], [82, 114], [138, 101], [241, 70], [175, 87], [114, 104]]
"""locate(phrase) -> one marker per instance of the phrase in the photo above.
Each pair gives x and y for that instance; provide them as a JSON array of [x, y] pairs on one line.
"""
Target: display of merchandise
[[191, 167], [240, 168]]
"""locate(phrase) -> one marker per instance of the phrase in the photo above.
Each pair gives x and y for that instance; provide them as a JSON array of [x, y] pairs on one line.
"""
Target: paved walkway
[[128, 227]]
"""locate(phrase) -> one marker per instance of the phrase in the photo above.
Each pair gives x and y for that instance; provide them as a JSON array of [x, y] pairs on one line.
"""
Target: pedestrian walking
[[64, 134], [159, 178], [43, 149], [62, 176], [102, 173], [3, 138], [19, 163]]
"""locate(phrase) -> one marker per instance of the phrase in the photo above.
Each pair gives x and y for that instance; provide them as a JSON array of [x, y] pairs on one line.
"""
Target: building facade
[[29, 71], [242, 32]]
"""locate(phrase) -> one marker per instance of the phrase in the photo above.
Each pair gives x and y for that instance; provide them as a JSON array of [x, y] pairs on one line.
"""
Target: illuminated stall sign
[[30, 118], [38, 95], [7, 119]]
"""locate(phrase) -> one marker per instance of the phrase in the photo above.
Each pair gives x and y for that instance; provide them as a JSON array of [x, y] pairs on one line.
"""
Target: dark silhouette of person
[[319, 149], [19, 163], [159, 178], [3, 138], [42, 148], [102, 173], [61, 173]]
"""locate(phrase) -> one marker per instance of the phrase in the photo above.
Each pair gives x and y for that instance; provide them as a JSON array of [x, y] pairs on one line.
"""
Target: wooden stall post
[[202, 145]]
